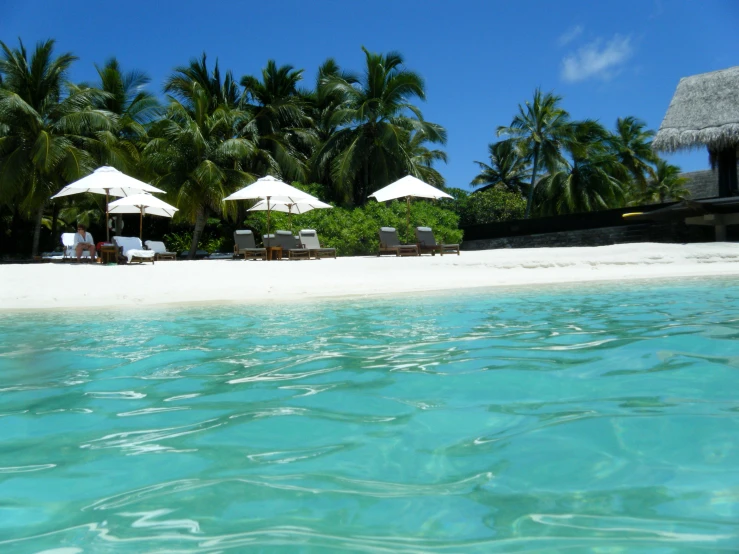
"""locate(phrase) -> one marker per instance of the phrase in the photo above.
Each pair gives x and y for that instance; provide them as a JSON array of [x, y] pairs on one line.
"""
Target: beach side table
[[108, 254], [274, 252]]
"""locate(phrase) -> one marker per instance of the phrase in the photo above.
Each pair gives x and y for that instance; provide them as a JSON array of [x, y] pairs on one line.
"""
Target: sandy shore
[[50, 286]]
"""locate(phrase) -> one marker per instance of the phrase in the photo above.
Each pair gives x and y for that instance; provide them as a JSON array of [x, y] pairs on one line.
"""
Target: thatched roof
[[701, 184], [704, 112]]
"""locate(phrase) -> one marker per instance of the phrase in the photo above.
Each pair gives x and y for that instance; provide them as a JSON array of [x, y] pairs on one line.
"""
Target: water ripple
[[570, 419]]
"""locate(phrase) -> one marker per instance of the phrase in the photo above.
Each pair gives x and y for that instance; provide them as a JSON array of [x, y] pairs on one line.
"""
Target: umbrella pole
[[141, 224], [290, 217], [268, 215], [107, 218], [408, 213]]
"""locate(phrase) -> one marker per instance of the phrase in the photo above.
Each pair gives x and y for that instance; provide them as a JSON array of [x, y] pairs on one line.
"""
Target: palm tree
[[421, 158], [322, 102], [632, 146], [508, 169], [278, 118], [374, 121], [135, 107], [196, 152], [219, 92], [49, 134], [542, 129], [593, 180], [666, 183]]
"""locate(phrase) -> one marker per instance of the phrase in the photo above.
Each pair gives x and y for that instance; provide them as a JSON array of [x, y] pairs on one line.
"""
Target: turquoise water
[[597, 419]]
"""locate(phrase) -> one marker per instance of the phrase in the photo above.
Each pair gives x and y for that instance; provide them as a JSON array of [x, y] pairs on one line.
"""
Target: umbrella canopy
[[142, 204], [110, 182], [272, 188], [290, 208], [107, 180], [405, 188]]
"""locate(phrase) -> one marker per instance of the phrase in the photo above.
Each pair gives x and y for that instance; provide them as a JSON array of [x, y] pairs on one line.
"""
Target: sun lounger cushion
[[160, 250], [157, 247], [133, 249]]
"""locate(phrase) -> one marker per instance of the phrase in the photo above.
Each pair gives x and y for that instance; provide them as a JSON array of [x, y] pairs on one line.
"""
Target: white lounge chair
[[134, 250], [160, 250]]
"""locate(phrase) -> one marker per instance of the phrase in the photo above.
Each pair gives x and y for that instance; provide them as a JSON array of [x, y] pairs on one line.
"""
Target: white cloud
[[569, 35], [596, 59]]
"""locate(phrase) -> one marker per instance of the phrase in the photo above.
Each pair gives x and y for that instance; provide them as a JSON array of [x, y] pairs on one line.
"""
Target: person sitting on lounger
[[83, 241]]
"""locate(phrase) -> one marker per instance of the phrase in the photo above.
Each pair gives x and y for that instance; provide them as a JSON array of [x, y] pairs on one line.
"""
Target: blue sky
[[479, 59]]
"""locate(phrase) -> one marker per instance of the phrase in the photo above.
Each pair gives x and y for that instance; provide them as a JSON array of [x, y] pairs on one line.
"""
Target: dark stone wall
[[663, 232]]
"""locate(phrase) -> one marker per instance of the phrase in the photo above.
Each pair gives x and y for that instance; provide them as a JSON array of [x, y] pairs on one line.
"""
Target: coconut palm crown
[[542, 129], [369, 149], [508, 169]]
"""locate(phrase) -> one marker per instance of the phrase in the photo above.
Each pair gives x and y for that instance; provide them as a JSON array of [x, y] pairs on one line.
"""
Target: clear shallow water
[[583, 419]]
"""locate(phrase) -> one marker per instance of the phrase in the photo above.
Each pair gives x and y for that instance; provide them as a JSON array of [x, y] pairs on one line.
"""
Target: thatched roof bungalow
[[704, 112]]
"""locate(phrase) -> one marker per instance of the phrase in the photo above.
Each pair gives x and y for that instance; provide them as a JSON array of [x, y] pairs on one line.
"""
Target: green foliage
[[355, 231], [379, 135], [591, 179], [212, 240], [665, 184], [50, 131], [508, 168], [542, 129], [488, 206]]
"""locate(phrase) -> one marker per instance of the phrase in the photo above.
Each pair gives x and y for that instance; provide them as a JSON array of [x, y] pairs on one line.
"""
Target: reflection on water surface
[[509, 421]]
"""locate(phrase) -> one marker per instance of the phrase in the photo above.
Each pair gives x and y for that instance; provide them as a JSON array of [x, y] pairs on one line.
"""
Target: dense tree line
[[214, 134], [563, 166], [350, 134]]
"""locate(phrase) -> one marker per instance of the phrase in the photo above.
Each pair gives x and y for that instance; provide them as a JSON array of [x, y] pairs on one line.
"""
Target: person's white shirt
[[87, 239]]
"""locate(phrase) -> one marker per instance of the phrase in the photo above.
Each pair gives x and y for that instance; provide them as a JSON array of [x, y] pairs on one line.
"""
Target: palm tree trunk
[[199, 226], [54, 222], [15, 234], [37, 229], [530, 200], [364, 188]]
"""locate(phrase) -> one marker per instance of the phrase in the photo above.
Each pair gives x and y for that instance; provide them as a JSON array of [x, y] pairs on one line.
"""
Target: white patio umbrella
[[290, 208], [405, 188], [142, 204], [110, 182], [272, 190]]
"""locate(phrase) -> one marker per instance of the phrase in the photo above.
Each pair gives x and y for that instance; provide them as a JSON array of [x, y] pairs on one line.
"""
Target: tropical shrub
[[488, 206], [355, 231], [216, 237]]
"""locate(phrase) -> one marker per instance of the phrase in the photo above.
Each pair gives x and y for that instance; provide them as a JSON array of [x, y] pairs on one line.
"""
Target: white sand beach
[[54, 286]]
